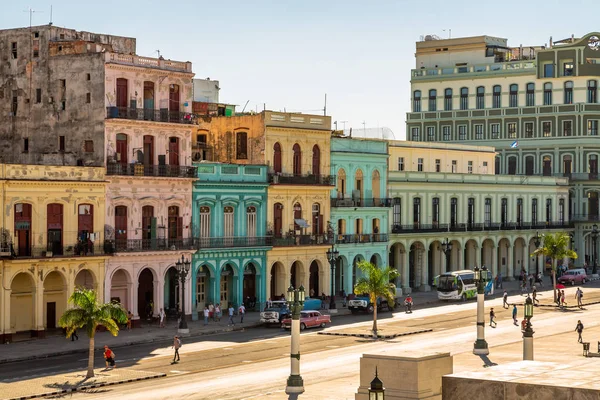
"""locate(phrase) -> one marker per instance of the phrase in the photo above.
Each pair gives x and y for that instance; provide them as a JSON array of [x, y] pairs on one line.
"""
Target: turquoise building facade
[[359, 206], [229, 214]]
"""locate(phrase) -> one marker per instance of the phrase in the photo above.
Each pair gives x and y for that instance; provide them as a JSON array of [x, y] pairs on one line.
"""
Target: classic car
[[308, 319], [275, 312]]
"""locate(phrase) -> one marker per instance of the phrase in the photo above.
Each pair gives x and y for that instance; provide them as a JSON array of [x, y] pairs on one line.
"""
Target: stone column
[[5, 331], [159, 295], [510, 267], [478, 251], [461, 261], [494, 265], [38, 309], [425, 271], [526, 258], [406, 273]]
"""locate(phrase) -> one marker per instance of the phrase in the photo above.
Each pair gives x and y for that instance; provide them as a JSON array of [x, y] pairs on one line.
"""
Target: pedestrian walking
[[218, 312], [499, 281], [109, 357], [74, 336], [162, 317], [563, 303], [176, 346], [206, 315], [212, 311], [129, 318], [514, 315], [523, 284], [242, 312], [408, 303], [492, 316], [539, 279], [505, 300], [231, 315], [578, 296], [579, 330], [530, 280], [534, 293]]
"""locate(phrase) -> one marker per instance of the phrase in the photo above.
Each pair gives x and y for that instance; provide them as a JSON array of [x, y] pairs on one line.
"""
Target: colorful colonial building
[[359, 206], [52, 242], [229, 220]]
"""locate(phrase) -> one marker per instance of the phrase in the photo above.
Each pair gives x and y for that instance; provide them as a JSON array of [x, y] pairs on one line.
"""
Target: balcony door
[[277, 158], [122, 97], [547, 166], [593, 166], [174, 96], [148, 101], [173, 151], [148, 150], [148, 227], [122, 150], [121, 227], [175, 224], [316, 160], [85, 227], [278, 219], [593, 206], [317, 219], [23, 228], [55, 228], [297, 161]]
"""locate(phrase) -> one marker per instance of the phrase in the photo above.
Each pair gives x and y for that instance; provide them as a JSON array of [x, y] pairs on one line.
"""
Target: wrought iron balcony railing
[[167, 171], [57, 250], [362, 238], [151, 115], [370, 202], [289, 179], [302, 240], [491, 226], [142, 245], [227, 242]]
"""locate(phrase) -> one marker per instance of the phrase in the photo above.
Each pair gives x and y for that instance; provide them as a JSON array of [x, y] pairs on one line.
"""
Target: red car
[[308, 319]]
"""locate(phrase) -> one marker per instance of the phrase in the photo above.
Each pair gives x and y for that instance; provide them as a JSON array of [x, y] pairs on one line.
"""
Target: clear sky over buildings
[[288, 54]]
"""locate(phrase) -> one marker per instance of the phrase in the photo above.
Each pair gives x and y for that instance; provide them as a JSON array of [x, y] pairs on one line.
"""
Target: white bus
[[457, 285]]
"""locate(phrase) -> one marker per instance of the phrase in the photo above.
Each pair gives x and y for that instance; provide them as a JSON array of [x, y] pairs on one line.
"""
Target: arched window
[[513, 98], [297, 215], [358, 183], [547, 94], [121, 227], [317, 219], [497, 96], [464, 98], [251, 221], [341, 183], [297, 162], [375, 186], [417, 101], [547, 166], [432, 100], [530, 95], [205, 222], [174, 151], [480, 99], [316, 160], [448, 99], [277, 158], [228, 222], [241, 149], [569, 92]]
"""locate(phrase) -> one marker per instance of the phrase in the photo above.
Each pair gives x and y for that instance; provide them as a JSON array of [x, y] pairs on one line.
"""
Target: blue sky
[[288, 54]]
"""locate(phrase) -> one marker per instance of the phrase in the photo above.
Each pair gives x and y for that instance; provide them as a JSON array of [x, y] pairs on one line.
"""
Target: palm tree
[[376, 283], [557, 248], [89, 313]]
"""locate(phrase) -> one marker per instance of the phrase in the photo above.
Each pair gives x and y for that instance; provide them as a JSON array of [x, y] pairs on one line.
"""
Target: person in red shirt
[[109, 357]]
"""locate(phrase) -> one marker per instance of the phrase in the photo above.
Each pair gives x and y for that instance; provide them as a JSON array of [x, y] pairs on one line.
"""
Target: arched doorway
[[313, 281], [119, 288], [171, 292], [296, 274], [277, 284], [375, 260], [249, 285], [146, 294], [297, 160], [202, 288], [226, 286], [85, 279], [22, 309], [277, 158], [55, 299]]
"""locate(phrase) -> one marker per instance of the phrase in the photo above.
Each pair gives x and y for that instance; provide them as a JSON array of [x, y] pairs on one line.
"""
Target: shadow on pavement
[[487, 362]]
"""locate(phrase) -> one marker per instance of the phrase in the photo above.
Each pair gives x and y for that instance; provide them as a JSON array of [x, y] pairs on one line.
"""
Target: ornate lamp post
[[528, 332], [376, 391], [183, 269], [594, 253], [480, 347], [332, 255], [447, 249], [537, 241], [295, 300]]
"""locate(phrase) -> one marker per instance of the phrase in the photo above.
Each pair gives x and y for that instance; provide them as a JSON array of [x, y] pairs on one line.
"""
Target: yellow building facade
[[52, 242]]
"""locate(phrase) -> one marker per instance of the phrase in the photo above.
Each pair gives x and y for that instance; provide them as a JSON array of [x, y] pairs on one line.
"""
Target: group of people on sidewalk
[[216, 313]]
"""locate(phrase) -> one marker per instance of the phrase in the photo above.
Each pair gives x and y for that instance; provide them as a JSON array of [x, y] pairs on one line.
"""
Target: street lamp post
[[376, 390], [528, 332], [594, 253], [332, 256], [537, 243], [183, 269], [480, 347], [295, 300], [447, 249]]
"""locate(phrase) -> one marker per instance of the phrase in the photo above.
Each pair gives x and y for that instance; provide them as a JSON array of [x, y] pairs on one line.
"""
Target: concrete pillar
[[158, 287], [38, 309], [526, 258], [494, 265], [5, 331], [406, 273], [425, 271], [478, 251], [510, 266], [461, 261]]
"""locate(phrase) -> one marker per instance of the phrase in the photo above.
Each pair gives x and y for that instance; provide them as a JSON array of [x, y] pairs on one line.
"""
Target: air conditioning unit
[[197, 156]]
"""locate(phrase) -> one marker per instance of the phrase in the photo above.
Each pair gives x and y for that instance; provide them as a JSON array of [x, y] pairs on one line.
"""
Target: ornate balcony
[[143, 245], [585, 218], [229, 242], [302, 240], [167, 171], [370, 202], [56, 250], [467, 227], [150, 115], [289, 179], [362, 238]]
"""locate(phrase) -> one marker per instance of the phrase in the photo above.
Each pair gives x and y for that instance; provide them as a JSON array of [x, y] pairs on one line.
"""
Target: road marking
[[246, 361], [332, 347], [228, 348]]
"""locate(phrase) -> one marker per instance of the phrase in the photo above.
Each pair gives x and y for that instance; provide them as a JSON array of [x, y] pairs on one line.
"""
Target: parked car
[[275, 312], [573, 276], [308, 319], [362, 303]]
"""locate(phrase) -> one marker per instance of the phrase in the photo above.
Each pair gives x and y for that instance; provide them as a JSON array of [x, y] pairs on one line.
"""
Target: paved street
[[212, 363]]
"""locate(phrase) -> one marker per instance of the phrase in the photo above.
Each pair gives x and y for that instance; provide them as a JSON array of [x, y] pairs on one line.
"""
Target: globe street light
[[447, 249], [528, 332], [537, 241], [594, 253], [183, 269], [332, 255], [481, 277], [295, 300]]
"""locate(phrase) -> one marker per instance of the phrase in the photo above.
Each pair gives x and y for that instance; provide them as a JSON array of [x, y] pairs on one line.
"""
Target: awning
[[301, 223]]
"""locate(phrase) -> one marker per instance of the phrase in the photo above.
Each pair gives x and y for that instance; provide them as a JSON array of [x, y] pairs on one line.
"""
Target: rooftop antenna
[[31, 11], [449, 33], [364, 124], [157, 52], [344, 122], [325, 107], [50, 14]]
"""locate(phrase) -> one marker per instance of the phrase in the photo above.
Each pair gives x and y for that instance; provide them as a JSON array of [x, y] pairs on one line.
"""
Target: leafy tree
[[557, 248], [89, 313], [376, 283]]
